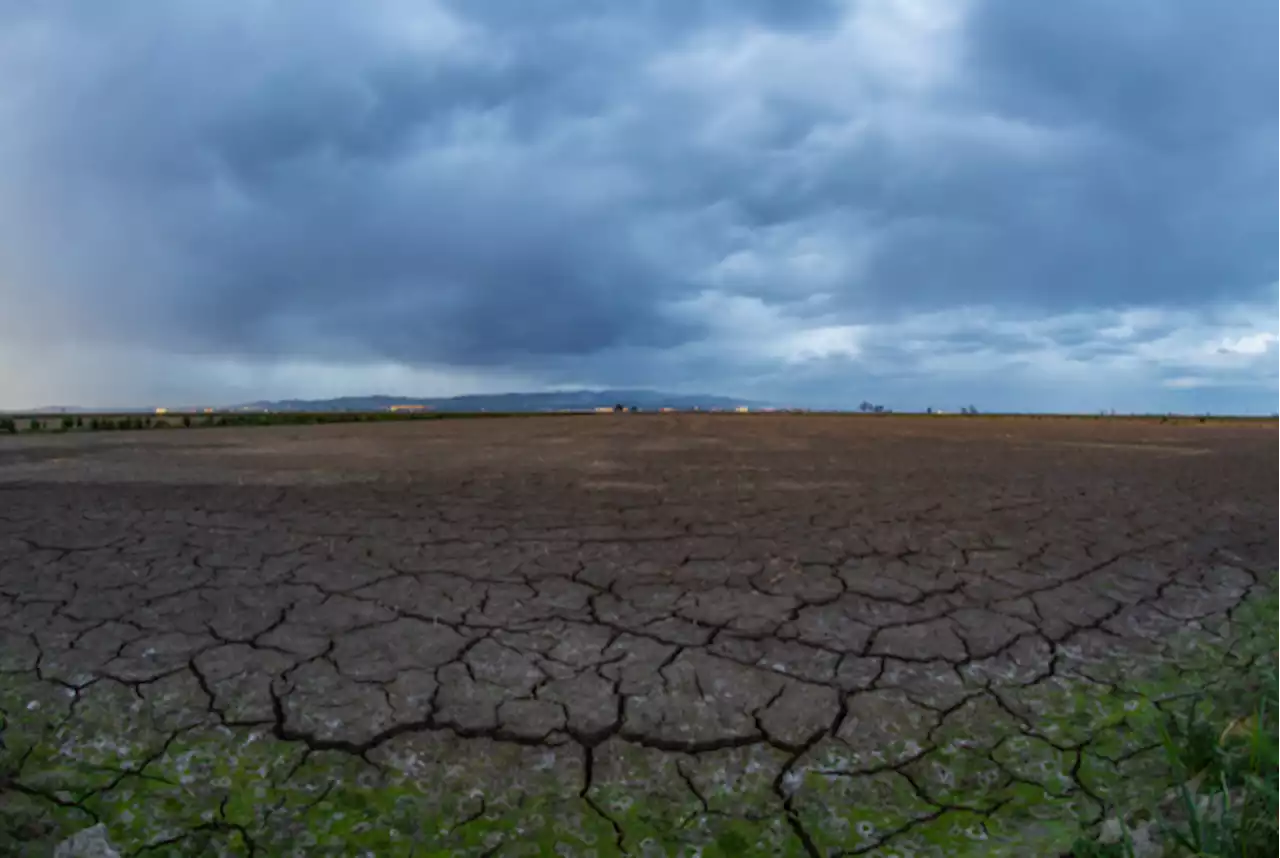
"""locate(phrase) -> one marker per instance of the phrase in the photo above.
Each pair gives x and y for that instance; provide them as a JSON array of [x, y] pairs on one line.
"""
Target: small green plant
[[1228, 803], [1222, 757]]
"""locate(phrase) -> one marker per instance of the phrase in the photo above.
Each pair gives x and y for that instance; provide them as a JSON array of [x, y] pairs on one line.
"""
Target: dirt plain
[[660, 604]]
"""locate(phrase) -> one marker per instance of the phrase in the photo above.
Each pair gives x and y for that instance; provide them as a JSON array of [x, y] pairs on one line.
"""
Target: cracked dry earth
[[839, 630]]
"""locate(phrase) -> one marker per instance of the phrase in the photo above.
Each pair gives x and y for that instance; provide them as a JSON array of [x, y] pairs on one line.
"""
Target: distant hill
[[543, 401], [562, 400]]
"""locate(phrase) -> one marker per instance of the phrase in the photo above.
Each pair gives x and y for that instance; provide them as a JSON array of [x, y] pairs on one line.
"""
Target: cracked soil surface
[[666, 604]]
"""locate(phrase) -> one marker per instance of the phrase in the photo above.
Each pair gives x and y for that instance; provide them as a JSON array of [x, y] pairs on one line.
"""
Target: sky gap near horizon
[[1019, 206]]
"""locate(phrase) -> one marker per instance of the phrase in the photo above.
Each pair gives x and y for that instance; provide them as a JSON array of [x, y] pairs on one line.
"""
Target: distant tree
[[929, 410], [34, 424], [865, 406], [79, 422], [68, 423], [7, 425], [186, 421]]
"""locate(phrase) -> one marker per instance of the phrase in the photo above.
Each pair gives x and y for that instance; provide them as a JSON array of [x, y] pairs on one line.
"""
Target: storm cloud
[[925, 202]]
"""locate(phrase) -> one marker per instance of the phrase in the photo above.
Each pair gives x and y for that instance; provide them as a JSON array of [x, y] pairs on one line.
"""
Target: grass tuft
[[1224, 760]]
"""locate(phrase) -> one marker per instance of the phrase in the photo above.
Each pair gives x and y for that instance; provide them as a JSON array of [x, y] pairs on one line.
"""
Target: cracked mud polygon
[[835, 633]]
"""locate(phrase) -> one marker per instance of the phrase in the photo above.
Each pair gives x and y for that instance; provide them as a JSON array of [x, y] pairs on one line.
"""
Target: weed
[[1226, 772]]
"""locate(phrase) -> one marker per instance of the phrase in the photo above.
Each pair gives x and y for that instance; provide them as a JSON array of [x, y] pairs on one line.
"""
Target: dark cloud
[[1172, 76], [311, 204], [1169, 205], [556, 187]]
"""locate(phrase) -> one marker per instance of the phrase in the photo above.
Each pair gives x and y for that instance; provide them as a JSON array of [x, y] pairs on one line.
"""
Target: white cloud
[[797, 260], [1187, 382], [820, 343], [1248, 344], [752, 331], [890, 49]]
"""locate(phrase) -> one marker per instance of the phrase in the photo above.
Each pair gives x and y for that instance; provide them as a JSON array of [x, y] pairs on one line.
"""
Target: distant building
[[411, 407], [162, 411], [742, 409], [604, 409], [667, 410]]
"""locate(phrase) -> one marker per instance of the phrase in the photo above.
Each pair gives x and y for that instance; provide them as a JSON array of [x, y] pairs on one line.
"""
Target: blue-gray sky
[[1018, 205]]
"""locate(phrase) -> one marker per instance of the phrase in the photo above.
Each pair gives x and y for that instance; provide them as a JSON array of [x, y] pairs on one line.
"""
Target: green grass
[[1221, 757]]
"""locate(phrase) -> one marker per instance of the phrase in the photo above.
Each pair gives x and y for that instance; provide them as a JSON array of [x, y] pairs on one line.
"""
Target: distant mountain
[[561, 400]]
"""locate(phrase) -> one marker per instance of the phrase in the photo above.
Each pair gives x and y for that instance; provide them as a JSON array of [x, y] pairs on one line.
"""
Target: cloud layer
[[922, 202]]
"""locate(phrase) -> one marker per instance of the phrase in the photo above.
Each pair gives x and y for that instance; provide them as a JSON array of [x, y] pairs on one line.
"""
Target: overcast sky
[[1020, 205]]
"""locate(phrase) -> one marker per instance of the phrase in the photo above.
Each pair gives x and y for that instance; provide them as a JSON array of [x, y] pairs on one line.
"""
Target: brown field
[[674, 587]]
